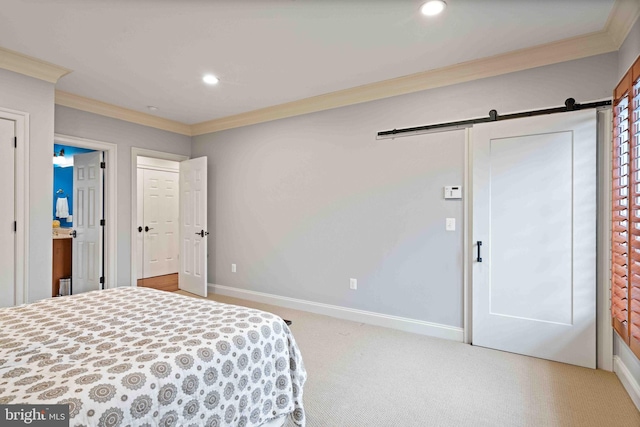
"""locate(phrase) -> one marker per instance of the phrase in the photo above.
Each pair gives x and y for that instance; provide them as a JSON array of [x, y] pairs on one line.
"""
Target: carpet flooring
[[367, 376]]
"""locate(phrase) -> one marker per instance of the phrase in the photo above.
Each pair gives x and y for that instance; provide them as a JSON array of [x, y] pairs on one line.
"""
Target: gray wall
[[629, 50], [303, 204], [33, 96], [69, 121]]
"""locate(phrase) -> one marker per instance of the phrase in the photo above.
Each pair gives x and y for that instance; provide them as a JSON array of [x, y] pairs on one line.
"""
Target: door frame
[[604, 331], [467, 244], [110, 200], [135, 152], [21, 199]]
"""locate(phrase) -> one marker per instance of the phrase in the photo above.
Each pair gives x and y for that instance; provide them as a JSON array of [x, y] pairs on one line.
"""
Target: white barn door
[[534, 212], [87, 212], [193, 226], [7, 214]]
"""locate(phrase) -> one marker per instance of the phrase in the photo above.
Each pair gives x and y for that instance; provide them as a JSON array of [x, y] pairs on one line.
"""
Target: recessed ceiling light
[[152, 108], [433, 7], [210, 79]]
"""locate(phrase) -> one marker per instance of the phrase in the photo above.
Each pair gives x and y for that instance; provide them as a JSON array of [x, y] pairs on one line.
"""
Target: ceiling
[[136, 53]]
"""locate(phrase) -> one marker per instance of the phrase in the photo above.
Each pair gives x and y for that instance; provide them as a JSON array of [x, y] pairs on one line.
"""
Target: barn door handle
[[146, 228], [479, 258], [74, 234], [202, 233]]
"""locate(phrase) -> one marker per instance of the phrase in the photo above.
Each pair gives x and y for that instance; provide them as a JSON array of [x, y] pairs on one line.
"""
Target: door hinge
[[103, 165], [102, 280], [15, 226], [103, 222], [15, 142]]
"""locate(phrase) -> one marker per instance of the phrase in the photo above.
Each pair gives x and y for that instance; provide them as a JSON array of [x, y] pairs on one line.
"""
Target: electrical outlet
[[450, 224], [353, 284], [233, 268]]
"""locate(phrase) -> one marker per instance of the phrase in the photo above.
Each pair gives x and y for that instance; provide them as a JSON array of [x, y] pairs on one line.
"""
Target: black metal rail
[[569, 105]]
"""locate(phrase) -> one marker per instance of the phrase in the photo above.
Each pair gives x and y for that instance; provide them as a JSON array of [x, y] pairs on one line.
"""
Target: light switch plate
[[450, 224]]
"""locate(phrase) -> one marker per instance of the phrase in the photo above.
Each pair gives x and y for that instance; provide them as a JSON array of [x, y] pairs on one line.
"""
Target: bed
[[143, 357]]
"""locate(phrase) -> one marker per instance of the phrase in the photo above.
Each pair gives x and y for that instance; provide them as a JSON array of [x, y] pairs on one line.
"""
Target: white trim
[[110, 149], [621, 19], [30, 66], [135, 152], [604, 337], [369, 317], [627, 380], [21, 198], [573, 48], [109, 110], [154, 163], [609, 39], [157, 168], [467, 245]]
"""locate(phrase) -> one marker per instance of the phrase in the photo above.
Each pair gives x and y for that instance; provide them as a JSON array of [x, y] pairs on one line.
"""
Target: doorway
[[162, 162], [534, 236], [192, 219], [87, 223], [157, 230], [77, 232]]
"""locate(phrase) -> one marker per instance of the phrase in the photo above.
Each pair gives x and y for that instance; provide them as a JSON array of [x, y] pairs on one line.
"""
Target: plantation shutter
[[625, 236], [620, 214], [634, 130]]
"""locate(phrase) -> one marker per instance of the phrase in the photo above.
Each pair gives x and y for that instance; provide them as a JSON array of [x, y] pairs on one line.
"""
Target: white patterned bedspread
[[142, 357]]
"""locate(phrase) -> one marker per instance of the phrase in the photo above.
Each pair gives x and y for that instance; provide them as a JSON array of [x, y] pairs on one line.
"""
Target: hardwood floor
[[167, 283]]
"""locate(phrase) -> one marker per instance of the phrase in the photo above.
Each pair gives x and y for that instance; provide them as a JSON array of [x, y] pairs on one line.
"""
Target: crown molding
[[104, 109], [32, 67], [623, 16], [537, 56], [621, 19]]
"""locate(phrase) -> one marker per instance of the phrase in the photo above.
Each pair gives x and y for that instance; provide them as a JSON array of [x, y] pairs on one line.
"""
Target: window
[[625, 198]]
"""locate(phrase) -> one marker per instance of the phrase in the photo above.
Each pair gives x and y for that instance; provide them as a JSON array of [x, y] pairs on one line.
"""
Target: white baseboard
[[628, 381], [369, 317]]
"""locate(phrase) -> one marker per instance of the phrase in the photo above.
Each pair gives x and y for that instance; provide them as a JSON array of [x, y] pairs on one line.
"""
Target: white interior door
[[7, 214], [193, 226], [534, 210], [140, 226], [87, 212], [160, 215]]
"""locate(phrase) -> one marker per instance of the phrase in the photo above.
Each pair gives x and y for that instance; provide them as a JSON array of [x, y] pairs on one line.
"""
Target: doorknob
[[74, 234], [140, 229], [146, 228], [479, 258], [202, 233]]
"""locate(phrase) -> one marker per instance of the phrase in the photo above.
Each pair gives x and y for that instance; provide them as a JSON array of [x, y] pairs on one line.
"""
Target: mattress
[[142, 357]]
